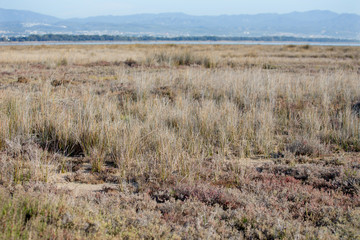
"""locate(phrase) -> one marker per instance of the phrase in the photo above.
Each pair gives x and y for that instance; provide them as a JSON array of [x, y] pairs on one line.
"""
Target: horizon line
[[195, 15]]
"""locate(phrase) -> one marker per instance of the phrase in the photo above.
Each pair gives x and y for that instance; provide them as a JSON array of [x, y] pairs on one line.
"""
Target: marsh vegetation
[[179, 142]]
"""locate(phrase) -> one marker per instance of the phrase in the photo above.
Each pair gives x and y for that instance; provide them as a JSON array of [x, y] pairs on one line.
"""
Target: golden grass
[[165, 112]]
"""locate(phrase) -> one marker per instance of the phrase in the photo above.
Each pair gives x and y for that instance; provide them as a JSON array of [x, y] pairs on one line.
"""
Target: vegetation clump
[[173, 142]]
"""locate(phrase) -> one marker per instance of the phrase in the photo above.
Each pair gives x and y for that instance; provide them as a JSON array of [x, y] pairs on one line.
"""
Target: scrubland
[[179, 142]]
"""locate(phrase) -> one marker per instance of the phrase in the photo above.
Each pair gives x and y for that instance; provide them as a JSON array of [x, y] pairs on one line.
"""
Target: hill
[[299, 24]]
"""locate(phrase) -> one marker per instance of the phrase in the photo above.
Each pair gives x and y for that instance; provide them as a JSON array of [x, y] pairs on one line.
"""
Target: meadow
[[179, 142]]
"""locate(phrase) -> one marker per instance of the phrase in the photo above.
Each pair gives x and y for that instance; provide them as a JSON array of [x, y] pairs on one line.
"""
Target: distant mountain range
[[298, 24]]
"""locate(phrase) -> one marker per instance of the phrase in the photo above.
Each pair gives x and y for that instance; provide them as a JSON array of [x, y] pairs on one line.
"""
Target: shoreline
[[39, 43]]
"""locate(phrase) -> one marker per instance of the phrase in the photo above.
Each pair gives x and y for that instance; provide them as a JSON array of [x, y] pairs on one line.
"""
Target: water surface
[[177, 43]]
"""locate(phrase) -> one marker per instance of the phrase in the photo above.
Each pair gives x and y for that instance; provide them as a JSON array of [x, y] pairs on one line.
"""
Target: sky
[[86, 8]]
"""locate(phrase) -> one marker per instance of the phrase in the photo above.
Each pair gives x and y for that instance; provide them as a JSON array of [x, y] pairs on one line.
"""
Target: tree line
[[82, 38]]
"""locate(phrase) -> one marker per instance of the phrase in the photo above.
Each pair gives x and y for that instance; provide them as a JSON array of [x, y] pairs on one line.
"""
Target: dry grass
[[171, 129]]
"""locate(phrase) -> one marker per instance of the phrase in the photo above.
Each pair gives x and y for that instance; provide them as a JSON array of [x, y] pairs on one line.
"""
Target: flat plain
[[179, 142]]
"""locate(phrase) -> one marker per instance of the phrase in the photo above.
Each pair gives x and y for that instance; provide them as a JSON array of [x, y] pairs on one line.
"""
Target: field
[[179, 142]]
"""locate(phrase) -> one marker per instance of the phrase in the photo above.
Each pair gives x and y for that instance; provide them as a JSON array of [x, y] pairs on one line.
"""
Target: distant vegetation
[[78, 38]]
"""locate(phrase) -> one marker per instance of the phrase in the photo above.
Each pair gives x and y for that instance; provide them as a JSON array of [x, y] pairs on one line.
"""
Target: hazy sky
[[84, 8]]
